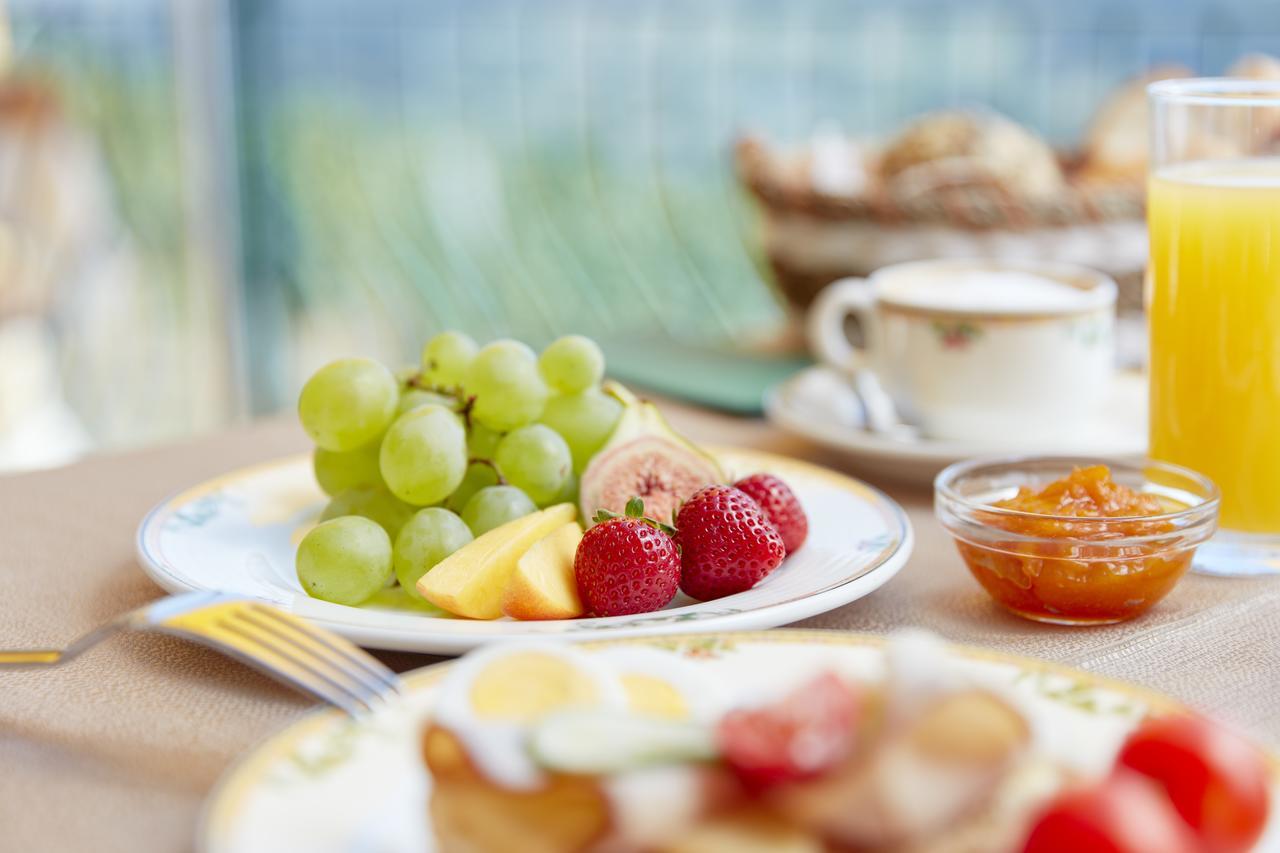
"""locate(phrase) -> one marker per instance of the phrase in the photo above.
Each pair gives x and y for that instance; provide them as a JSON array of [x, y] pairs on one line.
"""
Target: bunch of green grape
[[418, 463]]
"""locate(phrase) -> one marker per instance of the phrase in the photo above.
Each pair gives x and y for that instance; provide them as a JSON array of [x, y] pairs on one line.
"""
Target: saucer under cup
[[968, 349]]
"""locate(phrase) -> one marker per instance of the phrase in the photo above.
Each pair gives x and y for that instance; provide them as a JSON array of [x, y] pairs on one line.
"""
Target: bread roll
[[972, 147], [1115, 147]]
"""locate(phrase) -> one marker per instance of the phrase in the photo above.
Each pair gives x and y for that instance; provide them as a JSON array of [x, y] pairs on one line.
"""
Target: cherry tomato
[[1123, 814], [1216, 781]]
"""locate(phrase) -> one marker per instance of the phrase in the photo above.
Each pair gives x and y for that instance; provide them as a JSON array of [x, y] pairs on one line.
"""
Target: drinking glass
[[1213, 208]]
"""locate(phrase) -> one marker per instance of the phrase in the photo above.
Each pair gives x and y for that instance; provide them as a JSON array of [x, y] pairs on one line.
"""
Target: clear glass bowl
[[1069, 570]]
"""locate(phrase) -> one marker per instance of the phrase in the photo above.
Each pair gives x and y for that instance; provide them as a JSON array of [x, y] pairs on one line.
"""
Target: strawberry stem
[[634, 509]]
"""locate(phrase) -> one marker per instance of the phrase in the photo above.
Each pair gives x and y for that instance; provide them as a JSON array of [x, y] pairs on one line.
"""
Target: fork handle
[[29, 657], [14, 658]]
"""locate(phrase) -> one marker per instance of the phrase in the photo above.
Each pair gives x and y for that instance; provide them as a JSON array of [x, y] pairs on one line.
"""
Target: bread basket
[[814, 234]]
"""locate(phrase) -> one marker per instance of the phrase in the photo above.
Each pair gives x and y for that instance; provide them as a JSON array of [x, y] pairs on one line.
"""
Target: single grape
[[338, 472], [348, 403], [424, 455], [508, 389], [481, 444], [482, 441], [571, 364], [479, 475], [445, 358], [344, 560], [430, 536], [395, 598], [585, 421], [372, 502], [411, 398], [568, 493], [536, 460], [494, 506]]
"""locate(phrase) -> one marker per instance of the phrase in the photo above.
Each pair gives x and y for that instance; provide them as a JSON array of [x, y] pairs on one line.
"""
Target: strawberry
[[626, 564], [807, 732], [726, 543], [780, 505]]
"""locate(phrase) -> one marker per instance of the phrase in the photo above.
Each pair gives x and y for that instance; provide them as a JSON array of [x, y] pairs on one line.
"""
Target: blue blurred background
[[202, 201]]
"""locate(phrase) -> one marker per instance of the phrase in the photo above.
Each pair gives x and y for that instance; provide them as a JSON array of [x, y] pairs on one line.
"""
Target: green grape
[[504, 379], [572, 364], [568, 493], [424, 455], [372, 502], [536, 460], [395, 598], [585, 421], [338, 472], [430, 536], [494, 506], [482, 441], [406, 374], [344, 560], [477, 477], [348, 403], [412, 398], [445, 358]]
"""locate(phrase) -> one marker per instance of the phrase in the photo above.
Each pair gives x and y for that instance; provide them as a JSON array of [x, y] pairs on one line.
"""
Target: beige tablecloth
[[116, 751]]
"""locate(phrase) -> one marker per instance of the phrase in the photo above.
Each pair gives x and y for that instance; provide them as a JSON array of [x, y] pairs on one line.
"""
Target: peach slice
[[543, 585], [472, 581]]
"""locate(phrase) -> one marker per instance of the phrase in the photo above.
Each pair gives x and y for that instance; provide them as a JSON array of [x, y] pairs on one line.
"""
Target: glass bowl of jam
[[1075, 541]]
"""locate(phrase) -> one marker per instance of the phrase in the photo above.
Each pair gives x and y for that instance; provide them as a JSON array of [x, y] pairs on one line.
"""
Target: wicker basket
[[813, 237]]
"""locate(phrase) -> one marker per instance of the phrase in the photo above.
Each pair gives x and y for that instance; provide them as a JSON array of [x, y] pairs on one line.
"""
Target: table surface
[[117, 750]]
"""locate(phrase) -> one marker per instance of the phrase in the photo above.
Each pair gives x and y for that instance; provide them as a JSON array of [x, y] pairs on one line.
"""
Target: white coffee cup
[[977, 350]]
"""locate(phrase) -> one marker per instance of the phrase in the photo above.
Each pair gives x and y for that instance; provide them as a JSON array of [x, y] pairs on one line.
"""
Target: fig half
[[644, 458]]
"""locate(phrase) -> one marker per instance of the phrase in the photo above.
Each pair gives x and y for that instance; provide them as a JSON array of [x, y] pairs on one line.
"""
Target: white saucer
[[819, 404]]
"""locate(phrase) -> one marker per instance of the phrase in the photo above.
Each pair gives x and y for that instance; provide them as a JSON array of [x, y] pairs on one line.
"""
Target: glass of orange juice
[[1213, 208]]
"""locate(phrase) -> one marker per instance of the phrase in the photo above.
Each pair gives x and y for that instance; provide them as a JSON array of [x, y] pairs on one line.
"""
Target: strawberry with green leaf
[[627, 563]]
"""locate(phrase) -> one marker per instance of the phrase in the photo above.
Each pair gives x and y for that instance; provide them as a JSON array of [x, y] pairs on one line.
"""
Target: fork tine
[[326, 666], [289, 661], [282, 646], [349, 651], [264, 662], [286, 631]]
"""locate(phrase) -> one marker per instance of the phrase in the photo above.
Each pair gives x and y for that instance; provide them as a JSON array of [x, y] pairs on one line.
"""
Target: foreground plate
[[238, 534], [816, 404], [328, 783]]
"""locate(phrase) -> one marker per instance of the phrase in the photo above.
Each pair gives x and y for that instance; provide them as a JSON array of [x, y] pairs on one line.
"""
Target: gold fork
[[282, 646]]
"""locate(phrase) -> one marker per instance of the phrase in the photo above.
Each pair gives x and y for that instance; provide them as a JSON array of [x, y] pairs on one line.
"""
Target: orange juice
[[1215, 331]]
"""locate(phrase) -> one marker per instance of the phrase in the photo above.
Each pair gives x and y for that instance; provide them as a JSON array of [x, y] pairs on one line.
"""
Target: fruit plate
[[238, 533], [327, 783]]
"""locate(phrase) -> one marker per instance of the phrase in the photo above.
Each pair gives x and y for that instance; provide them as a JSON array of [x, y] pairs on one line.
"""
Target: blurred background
[[202, 201]]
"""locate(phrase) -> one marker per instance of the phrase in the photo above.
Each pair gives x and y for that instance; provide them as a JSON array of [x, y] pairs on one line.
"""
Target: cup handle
[[824, 326]]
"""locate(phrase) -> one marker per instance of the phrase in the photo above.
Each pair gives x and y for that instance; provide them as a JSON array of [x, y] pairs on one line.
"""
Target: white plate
[[818, 404], [238, 533], [328, 784]]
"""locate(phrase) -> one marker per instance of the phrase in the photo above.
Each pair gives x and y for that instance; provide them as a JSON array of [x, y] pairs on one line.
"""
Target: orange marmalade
[[1081, 553]]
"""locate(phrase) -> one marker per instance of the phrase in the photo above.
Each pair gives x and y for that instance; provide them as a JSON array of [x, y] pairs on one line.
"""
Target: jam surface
[[1085, 493], [1078, 569]]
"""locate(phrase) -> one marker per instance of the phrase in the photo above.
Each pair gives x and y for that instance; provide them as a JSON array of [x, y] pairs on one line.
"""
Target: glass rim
[[1216, 91], [945, 488]]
